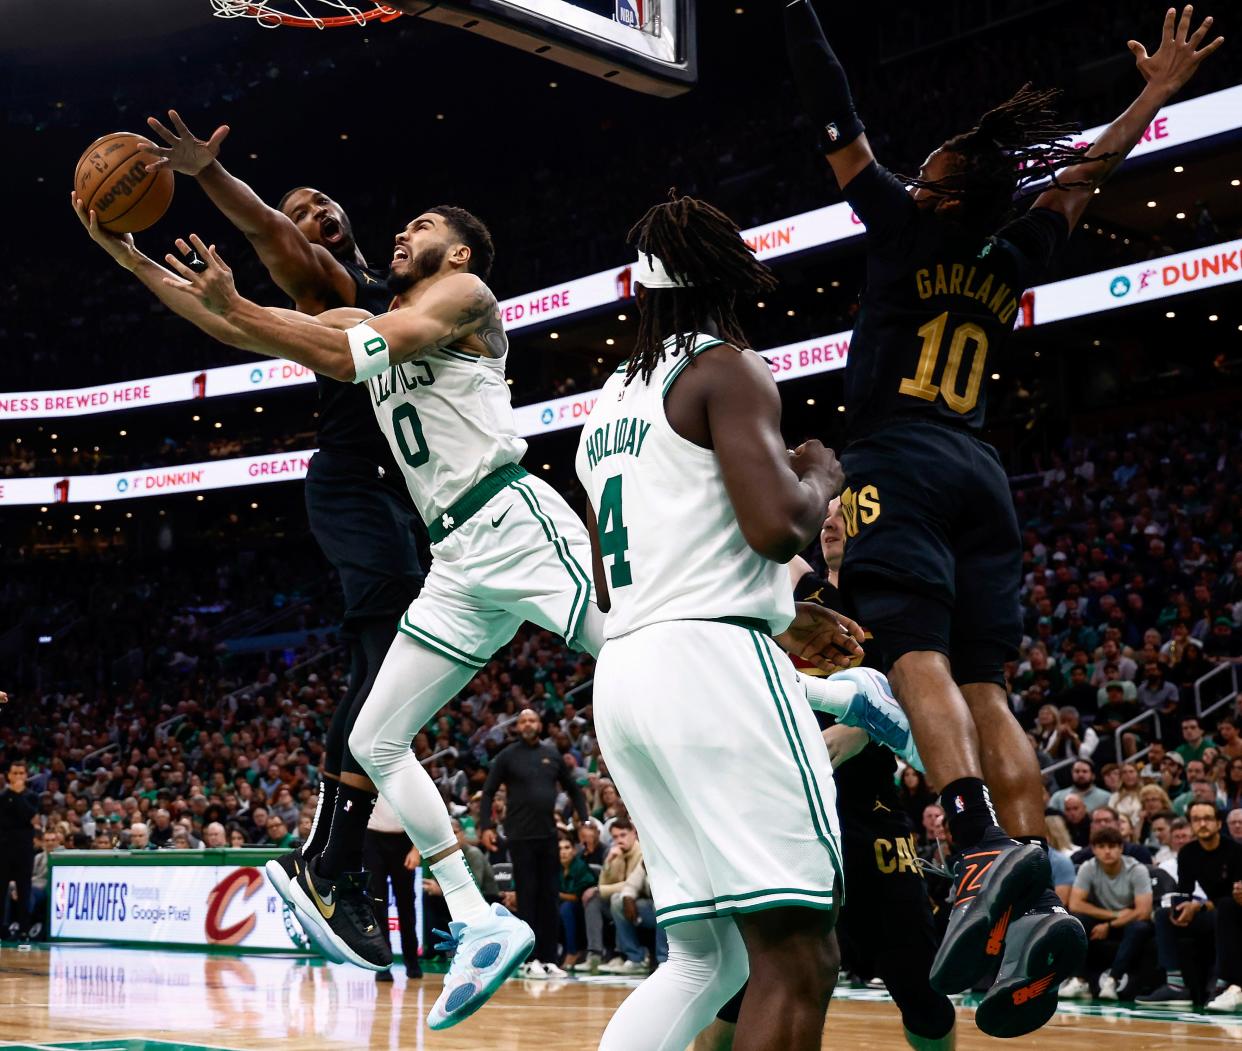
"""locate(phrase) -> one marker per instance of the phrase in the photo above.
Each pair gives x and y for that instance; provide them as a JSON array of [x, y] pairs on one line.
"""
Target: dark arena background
[[171, 640]]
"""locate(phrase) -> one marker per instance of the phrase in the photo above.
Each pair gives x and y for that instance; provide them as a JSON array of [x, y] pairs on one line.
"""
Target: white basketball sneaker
[[485, 954]]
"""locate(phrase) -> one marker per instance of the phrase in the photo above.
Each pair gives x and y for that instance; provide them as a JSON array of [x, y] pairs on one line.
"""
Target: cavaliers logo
[[244, 881]]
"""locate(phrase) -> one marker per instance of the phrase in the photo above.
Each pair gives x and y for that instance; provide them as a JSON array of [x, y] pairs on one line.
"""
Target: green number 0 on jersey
[[420, 454], [614, 538]]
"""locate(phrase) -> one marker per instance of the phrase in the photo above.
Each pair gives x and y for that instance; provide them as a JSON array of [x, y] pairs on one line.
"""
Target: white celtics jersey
[[448, 418], [671, 544]]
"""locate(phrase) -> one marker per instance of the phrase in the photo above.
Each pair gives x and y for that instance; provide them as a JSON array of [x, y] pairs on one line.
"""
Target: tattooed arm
[[458, 311]]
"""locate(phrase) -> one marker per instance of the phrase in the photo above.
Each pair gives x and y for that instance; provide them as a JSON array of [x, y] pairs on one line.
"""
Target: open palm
[[185, 153], [1179, 55]]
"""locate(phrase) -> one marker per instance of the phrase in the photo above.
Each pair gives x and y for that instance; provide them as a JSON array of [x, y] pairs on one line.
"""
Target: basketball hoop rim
[[270, 19]]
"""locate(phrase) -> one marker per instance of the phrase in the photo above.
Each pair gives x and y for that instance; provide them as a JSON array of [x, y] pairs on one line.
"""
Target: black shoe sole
[[1044, 949], [975, 937], [326, 930]]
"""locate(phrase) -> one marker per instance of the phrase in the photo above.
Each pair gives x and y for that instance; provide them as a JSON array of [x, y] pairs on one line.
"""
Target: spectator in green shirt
[[576, 877], [1194, 741]]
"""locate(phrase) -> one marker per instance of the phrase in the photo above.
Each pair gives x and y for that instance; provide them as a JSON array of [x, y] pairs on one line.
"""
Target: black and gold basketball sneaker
[[340, 909]]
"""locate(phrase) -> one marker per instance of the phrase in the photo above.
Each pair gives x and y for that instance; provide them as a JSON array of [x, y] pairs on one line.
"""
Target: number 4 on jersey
[[614, 538]]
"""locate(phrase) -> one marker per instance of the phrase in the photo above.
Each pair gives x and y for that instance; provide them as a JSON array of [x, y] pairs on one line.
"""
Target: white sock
[[461, 893], [827, 696]]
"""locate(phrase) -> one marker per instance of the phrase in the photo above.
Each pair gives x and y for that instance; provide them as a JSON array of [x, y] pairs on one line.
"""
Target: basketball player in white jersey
[[506, 547], [697, 507]]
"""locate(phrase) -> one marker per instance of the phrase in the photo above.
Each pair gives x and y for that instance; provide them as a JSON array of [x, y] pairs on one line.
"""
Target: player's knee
[[367, 749]]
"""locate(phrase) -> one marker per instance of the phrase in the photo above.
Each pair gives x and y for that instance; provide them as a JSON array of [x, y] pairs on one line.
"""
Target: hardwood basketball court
[[101, 998]]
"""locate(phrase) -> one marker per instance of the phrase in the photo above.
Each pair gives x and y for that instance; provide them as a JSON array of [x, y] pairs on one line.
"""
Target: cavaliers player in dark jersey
[[886, 927], [933, 555], [358, 509]]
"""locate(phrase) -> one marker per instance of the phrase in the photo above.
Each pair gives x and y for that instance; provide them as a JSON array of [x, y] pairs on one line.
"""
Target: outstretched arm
[[456, 307], [125, 253], [825, 92], [307, 273], [1166, 72]]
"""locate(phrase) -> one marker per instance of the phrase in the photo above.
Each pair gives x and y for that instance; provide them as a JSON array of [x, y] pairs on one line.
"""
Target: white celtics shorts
[[718, 757], [524, 555]]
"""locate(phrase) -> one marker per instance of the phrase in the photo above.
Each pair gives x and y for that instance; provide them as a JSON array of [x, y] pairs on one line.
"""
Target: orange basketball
[[111, 177]]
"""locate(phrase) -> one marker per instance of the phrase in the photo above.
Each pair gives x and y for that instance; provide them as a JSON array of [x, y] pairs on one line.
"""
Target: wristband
[[820, 78], [369, 350]]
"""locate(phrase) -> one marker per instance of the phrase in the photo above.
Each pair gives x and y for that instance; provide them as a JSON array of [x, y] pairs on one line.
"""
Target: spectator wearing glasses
[[1107, 817], [1190, 930]]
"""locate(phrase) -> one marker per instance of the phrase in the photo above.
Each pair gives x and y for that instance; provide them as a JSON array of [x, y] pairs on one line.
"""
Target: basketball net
[[304, 14]]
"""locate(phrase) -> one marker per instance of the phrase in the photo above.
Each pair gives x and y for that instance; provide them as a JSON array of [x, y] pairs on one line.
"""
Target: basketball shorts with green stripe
[[524, 555], [719, 760]]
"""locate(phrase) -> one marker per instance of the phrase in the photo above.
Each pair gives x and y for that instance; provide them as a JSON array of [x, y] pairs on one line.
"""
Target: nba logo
[[959, 805], [630, 13]]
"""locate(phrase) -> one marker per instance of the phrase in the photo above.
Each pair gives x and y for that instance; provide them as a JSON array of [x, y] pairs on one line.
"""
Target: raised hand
[[1179, 55], [213, 285], [119, 246], [185, 153]]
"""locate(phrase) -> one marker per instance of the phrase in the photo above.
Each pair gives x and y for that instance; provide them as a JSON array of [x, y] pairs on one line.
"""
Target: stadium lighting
[[820, 290], [254, 507], [122, 433], [995, 375], [554, 335], [54, 437], [1235, 182], [1169, 314], [258, 408], [99, 507], [217, 425], [547, 467], [610, 342], [761, 304], [77, 518], [1181, 215], [196, 418], [791, 313], [1151, 204], [840, 408], [129, 514], [43, 509], [622, 317], [810, 401], [199, 497], [1178, 168], [1213, 317], [835, 284]]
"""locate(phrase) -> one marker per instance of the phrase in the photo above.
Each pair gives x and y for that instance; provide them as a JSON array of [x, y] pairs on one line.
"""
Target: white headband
[[649, 272]]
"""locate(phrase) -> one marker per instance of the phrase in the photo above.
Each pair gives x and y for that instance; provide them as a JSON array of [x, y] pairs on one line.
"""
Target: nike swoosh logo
[[326, 906], [496, 521]]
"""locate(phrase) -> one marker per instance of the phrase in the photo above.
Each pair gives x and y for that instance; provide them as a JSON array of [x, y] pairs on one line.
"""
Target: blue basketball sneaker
[[875, 709], [485, 954]]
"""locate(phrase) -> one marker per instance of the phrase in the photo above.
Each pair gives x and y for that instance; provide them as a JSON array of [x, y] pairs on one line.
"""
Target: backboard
[[643, 45]]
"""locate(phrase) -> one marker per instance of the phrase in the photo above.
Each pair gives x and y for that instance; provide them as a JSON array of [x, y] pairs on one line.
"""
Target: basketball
[[112, 178]]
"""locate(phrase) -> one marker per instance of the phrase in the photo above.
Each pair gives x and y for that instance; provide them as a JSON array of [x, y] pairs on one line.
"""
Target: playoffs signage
[[170, 905]]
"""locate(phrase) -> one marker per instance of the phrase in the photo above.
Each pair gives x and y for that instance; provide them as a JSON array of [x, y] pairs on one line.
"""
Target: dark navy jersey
[[938, 308], [346, 420], [866, 786]]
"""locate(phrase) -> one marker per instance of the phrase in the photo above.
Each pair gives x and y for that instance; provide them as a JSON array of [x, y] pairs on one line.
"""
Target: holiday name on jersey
[[625, 435]]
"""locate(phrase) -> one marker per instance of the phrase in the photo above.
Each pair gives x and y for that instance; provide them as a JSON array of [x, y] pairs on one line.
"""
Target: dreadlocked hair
[[703, 247], [1013, 150]]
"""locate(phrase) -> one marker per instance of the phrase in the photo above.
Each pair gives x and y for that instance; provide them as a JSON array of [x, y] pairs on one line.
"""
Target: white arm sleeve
[[369, 350]]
